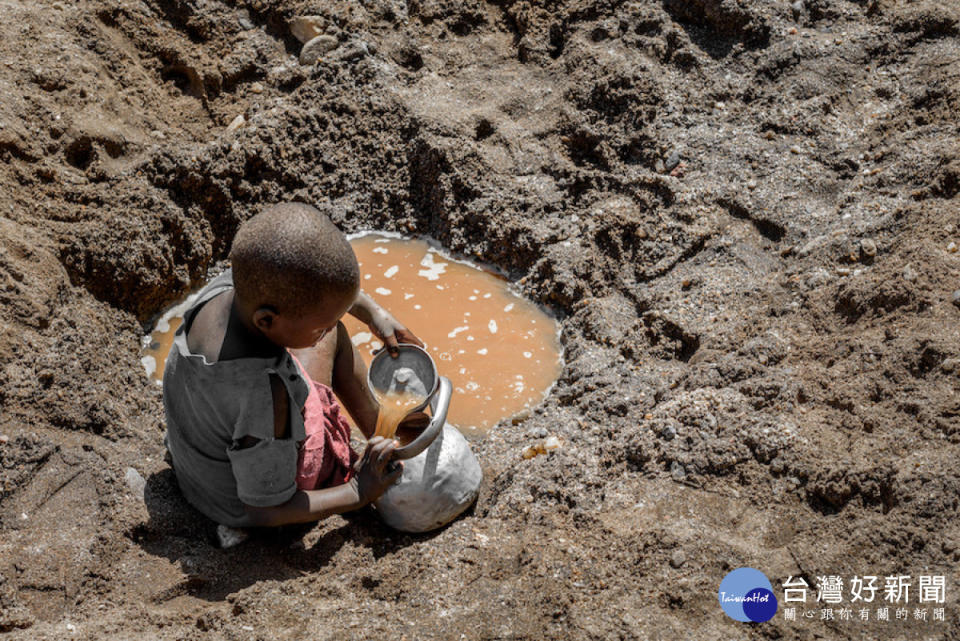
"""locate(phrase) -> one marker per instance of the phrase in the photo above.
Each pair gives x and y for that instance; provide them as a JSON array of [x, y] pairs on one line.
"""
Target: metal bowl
[[383, 366]]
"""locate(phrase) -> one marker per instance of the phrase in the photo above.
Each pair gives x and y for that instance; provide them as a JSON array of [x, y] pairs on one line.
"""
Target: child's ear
[[263, 318]]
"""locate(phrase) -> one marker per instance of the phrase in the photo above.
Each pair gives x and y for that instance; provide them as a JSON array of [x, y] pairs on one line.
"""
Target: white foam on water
[[457, 330], [380, 250], [508, 307], [391, 272], [482, 352], [383, 291], [149, 364], [407, 296], [433, 267], [492, 326]]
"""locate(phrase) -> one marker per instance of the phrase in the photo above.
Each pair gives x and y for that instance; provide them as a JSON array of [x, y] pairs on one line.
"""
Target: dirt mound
[[744, 213]]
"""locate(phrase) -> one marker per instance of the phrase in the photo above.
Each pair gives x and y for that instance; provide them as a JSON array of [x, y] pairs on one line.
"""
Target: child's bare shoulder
[[206, 332]]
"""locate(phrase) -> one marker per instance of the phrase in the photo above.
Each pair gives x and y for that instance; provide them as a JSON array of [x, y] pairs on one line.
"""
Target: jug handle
[[439, 405]]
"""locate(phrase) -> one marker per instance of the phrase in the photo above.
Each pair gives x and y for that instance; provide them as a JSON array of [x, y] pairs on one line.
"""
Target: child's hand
[[373, 475], [391, 332]]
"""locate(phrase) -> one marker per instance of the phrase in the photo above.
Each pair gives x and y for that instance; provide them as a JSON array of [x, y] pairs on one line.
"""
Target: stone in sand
[[316, 48]]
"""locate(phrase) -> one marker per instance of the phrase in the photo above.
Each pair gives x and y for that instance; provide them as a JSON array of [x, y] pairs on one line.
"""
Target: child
[[253, 428]]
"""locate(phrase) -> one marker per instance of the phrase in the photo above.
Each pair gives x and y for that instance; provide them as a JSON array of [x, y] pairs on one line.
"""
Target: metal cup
[[380, 375]]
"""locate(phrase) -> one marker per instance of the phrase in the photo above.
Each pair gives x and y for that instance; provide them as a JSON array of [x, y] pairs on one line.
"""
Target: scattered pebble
[[4, 438], [952, 247], [541, 447], [354, 51], [751, 184], [256, 87], [677, 471], [306, 28], [950, 365], [797, 8], [317, 47], [678, 558], [909, 273], [795, 149], [955, 298], [868, 247], [135, 482], [244, 21], [236, 123], [672, 160]]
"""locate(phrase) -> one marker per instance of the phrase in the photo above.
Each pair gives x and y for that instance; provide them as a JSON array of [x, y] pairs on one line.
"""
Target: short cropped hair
[[290, 257]]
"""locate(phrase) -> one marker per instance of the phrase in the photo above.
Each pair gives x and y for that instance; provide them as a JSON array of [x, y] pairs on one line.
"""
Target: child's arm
[[382, 323], [372, 480]]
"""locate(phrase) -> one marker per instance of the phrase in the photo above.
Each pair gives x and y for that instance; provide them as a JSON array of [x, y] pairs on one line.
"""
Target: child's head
[[294, 273]]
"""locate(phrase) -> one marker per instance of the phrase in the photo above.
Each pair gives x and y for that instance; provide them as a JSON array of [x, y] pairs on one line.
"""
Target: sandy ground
[[745, 215]]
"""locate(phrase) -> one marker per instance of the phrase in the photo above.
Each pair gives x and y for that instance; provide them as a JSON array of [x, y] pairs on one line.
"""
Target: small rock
[[551, 443], [520, 417], [769, 135], [256, 87], [955, 298], [950, 365], [243, 19], [795, 149], [317, 47], [529, 452], [4, 438], [797, 8], [672, 160], [538, 432], [719, 105], [306, 28], [677, 471], [909, 273], [159, 135], [236, 123], [952, 247], [792, 31], [354, 51], [135, 482], [678, 558], [751, 184], [868, 247], [641, 233], [669, 432]]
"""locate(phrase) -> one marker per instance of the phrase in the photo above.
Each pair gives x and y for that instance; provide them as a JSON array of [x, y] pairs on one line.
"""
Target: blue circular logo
[[746, 595]]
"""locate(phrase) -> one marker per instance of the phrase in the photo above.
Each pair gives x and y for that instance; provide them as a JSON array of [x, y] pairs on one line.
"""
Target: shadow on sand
[[178, 532]]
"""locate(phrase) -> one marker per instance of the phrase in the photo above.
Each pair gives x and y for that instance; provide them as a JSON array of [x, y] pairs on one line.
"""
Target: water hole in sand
[[500, 351]]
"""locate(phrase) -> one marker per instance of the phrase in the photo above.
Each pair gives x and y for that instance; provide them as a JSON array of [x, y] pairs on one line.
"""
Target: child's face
[[306, 330]]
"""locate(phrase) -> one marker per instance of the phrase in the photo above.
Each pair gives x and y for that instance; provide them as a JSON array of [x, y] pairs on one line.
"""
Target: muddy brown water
[[500, 351]]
